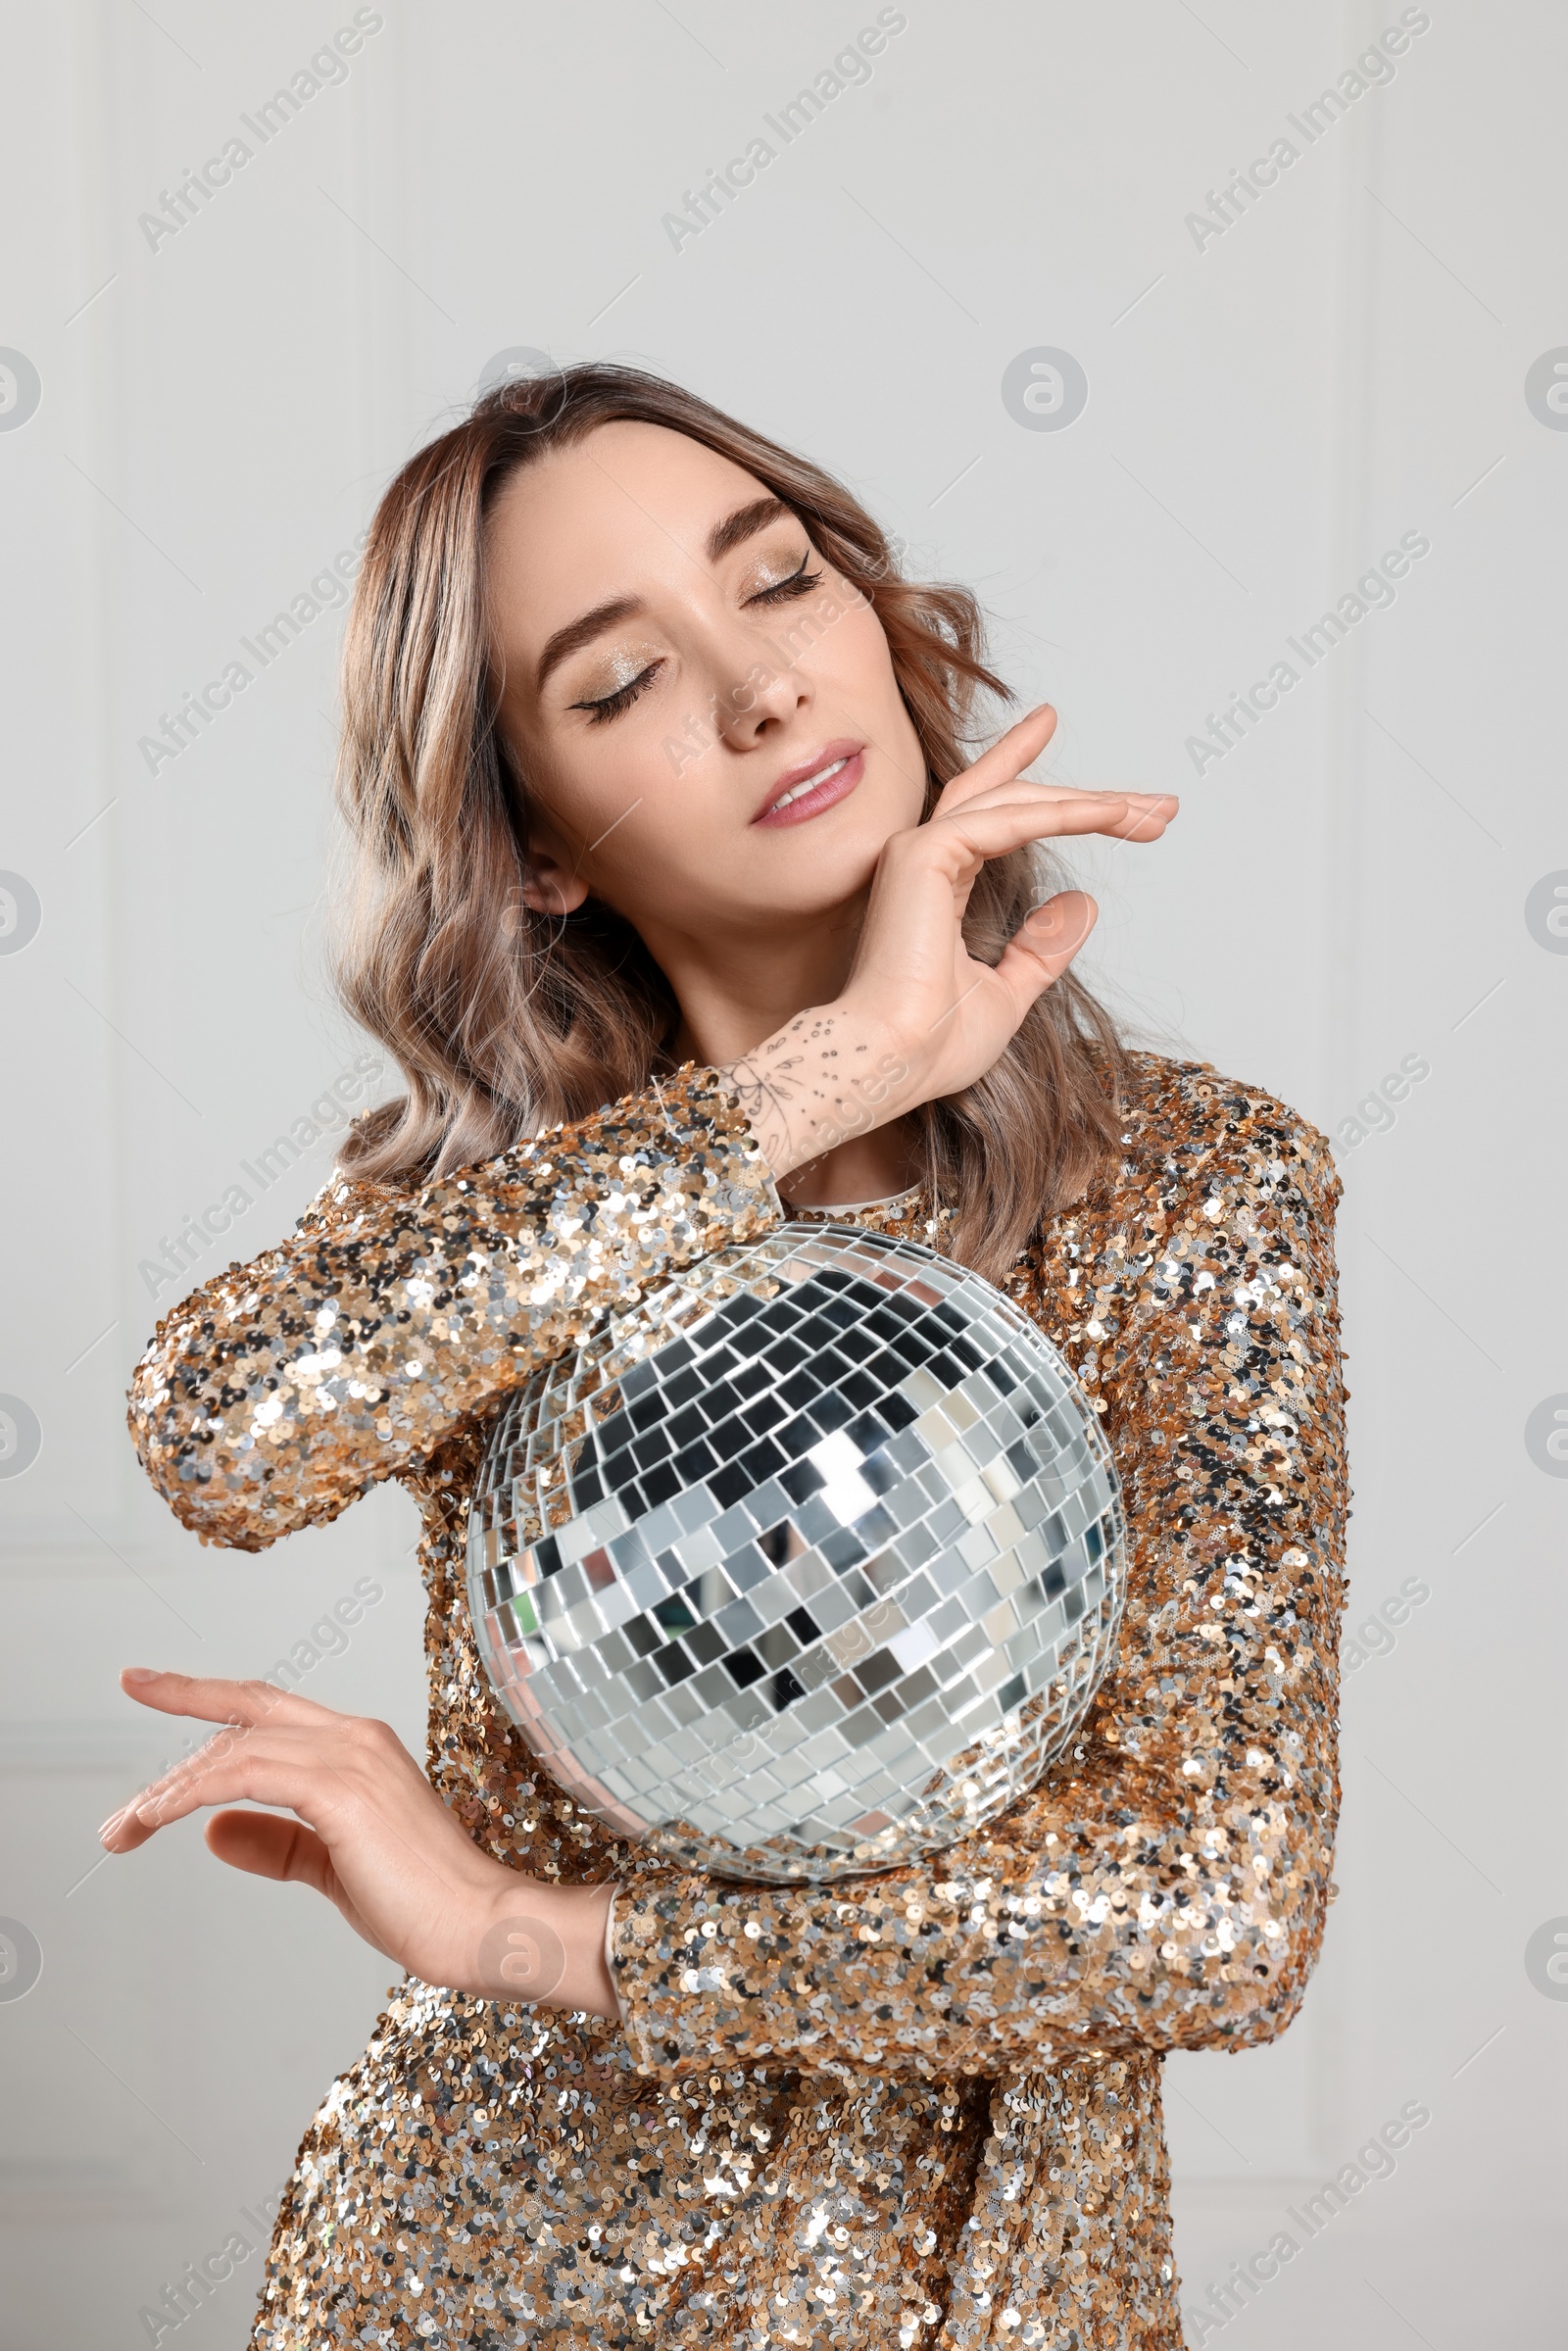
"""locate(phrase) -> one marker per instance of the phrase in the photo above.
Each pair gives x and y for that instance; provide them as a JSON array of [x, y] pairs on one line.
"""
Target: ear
[[550, 885]]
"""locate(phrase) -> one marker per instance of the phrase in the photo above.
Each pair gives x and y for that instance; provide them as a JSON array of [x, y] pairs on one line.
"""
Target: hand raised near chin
[[919, 1017]]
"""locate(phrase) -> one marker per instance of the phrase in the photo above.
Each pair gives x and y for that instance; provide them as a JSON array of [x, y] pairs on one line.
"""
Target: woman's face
[[705, 711]]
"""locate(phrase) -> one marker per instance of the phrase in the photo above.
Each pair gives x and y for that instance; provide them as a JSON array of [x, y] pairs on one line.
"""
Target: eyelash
[[798, 583], [611, 705]]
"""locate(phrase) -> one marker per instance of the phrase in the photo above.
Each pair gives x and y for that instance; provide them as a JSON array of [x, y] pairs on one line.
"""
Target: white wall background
[[1346, 888]]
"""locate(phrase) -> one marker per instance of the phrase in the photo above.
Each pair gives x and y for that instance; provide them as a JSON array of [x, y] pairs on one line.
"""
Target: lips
[[821, 782]]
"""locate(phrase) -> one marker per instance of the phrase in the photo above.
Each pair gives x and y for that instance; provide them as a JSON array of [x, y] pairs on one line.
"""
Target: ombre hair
[[507, 1022]]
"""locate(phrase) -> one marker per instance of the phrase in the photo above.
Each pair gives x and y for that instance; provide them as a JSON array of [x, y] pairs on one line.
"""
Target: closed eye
[[611, 705], [798, 583]]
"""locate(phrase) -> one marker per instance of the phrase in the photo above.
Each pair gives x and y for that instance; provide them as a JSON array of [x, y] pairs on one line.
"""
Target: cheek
[[620, 776], [846, 646], [852, 669], [638, 800]]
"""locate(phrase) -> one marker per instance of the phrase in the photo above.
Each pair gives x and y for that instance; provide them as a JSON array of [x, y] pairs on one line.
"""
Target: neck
[[868, 1168], [735, 988]]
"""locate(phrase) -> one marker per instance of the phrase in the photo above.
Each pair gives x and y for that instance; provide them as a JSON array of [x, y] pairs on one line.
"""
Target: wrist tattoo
[[804, 1096]]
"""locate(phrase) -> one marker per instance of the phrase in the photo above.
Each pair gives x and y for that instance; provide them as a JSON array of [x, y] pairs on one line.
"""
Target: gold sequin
[[921, 2109], [281, 1389]]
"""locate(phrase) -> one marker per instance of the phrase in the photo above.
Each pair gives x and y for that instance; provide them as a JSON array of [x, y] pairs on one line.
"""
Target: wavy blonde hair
[[506, 1022]]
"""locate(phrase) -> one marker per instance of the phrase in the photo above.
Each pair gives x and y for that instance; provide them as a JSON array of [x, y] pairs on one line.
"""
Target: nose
[[758, 687]]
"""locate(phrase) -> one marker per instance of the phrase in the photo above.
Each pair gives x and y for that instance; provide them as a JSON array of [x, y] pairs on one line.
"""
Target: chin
[[814, 873], [853, 834]]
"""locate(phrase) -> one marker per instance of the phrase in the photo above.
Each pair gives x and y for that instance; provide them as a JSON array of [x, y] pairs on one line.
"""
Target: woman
[[654, 764]]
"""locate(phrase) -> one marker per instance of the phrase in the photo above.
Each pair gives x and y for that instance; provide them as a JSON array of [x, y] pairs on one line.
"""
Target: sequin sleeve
[[1165, 1885], [282, 1391]]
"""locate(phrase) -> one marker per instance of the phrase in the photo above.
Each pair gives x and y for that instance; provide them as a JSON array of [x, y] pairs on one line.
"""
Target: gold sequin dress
[[922, 2108]]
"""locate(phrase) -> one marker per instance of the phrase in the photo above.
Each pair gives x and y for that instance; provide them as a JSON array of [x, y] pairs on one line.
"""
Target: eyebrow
[[745, 522]]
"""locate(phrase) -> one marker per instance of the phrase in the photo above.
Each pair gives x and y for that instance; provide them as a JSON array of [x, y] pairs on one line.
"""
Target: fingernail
[[139, 1672], [112, 1822]]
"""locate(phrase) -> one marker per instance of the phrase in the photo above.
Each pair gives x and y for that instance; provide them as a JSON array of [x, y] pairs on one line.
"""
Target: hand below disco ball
[[808, 1565]]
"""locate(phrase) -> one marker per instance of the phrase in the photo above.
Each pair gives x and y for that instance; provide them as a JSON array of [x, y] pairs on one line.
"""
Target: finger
[[323, 1781], [1007, 757], [1147, 815], [135, 1820], [1024, 792], [1045, 944], [1137, 816], [151, 1804], [991, 832], [211, 1699], [288, 1852], [300, 1784], [1018, 785], [243, 1759], [268, 1846]]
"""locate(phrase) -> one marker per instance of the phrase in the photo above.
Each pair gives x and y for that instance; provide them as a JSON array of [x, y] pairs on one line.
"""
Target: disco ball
[[808, 1565]]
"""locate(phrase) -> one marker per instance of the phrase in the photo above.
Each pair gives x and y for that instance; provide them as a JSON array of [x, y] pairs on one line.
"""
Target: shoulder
[[1207, 1241], [1201, 1155], [1190, 1129], [349, 1199], [346, 1203]]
